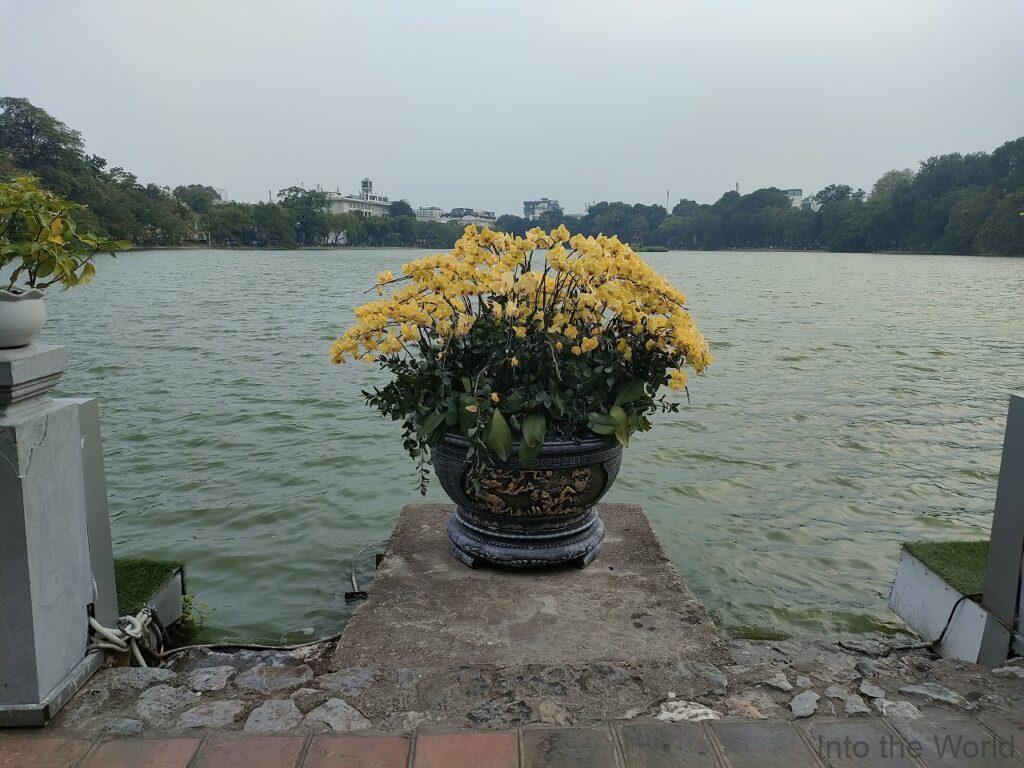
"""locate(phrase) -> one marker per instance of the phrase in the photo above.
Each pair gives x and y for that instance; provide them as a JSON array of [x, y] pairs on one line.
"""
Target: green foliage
[[401, 208], [39, 235], [116, 205], [954, 203], [548, 393], [199, 198]]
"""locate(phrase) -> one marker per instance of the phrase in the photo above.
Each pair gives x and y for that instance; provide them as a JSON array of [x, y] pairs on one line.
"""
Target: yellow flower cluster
[[576, 290]]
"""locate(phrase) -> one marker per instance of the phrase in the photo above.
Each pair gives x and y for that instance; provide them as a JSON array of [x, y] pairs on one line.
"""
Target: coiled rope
[[132, 634]]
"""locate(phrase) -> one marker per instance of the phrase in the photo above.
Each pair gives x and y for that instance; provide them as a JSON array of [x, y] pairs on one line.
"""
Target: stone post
[[46, 582]]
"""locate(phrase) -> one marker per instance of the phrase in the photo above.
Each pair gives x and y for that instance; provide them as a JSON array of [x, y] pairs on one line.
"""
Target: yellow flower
[[514, 361], [472, 408], [677, 379], [495, 397], [597, 284]]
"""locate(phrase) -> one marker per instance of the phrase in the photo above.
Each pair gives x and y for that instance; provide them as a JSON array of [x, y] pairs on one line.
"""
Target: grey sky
[[484, 104]]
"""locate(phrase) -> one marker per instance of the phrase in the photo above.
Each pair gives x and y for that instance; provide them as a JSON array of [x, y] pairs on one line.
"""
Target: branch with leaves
[[40, 237]]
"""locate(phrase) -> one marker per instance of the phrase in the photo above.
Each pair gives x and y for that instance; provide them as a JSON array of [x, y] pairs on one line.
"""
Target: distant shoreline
[[197, 247]]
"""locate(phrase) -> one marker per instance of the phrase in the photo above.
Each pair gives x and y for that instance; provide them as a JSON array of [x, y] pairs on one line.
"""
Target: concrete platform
[[428, 609], [495, 648]]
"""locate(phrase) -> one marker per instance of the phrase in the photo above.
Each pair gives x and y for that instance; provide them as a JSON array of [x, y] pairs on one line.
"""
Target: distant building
[[365, 202], [534, 209], [471, 216], [430, 213], [796, 196], [810, 204]]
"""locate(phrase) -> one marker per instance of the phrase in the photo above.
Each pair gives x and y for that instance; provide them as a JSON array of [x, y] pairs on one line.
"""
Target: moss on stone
[[961, 564], [138, 579]]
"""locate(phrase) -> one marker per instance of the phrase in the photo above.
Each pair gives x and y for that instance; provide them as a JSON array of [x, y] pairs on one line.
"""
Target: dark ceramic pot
[[524, 517]]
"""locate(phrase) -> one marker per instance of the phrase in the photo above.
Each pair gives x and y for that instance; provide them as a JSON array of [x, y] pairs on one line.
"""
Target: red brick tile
[[151, 753], [250, 752], [41, 753], [357, 752], [467, 750]]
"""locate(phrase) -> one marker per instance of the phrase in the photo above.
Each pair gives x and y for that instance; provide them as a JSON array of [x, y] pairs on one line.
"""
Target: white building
[[365, 202], [534, 209], [796, 196], [471, 216], [430, 213]]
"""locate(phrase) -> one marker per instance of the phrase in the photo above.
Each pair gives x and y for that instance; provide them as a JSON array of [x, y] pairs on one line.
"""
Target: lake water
[[856, 401]]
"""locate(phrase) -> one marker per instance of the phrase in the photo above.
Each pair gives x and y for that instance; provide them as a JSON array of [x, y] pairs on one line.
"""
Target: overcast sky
[[483, 104]]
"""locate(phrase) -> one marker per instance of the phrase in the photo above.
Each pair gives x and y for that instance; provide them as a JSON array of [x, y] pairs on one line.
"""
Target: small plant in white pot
[[41, 246]]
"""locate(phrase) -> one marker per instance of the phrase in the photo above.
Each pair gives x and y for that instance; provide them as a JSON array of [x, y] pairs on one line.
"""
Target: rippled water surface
[[856, 401]]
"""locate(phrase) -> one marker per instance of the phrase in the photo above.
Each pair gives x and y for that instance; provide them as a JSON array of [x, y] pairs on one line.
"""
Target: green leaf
[[431, 423], [527, 453], [621, 424], [467, 419], [467, 385], [46, 266], [630, 391], [534, 427], [499, 436], [602, 423]]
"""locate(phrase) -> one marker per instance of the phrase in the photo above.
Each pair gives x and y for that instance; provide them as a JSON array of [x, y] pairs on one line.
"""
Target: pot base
[[577, 546]]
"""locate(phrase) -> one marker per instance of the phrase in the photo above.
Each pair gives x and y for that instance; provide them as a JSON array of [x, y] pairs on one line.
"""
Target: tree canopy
[[954, 203]]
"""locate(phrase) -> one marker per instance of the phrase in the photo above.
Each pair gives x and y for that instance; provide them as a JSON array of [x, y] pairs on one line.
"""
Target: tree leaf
[[499, 436], [534, 427]]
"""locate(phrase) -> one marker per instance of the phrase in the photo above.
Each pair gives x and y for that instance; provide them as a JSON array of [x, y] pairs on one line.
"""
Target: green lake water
[[856, 400]]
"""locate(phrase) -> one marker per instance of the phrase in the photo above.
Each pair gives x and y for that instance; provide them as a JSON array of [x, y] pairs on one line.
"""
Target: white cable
[[126, 637]]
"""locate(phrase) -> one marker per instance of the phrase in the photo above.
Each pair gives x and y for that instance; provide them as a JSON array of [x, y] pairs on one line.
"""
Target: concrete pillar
[[46, 583], [1003, 597], [101, 550]]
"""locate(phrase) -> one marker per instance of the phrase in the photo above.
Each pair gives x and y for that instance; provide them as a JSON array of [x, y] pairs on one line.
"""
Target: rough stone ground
[[300, 691], [439, 645], [621, 644]]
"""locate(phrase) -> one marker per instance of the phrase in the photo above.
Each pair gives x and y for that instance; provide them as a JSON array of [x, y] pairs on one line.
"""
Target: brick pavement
[[940, 738]]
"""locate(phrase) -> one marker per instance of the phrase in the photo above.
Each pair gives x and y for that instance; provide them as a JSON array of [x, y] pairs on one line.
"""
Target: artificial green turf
[[961, 564], [138, 579]]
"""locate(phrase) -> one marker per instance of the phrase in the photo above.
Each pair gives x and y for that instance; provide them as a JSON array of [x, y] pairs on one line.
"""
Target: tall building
[[796, 196], [534, 209], [364, 202]]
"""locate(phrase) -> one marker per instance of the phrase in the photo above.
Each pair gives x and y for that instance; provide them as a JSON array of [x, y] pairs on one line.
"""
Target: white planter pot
[[22, 317]]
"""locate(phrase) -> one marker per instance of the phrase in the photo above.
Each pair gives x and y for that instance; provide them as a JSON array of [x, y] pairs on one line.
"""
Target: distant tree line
[[34, 142], [963, 204]]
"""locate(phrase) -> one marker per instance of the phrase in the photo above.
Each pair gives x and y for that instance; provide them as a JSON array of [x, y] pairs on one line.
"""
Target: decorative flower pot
[[22, 317], [524, 517]]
